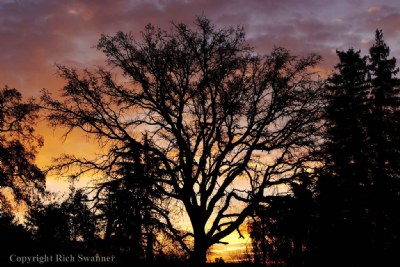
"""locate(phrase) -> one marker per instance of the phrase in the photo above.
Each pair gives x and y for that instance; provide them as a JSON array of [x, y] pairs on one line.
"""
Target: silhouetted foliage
[[15, 238], [49, 224], [18, 144], [63, 227], [81, 219], [384, 155], [201, 127], [127, 207], [21, 181], [343, 184], [281, 231], [351, 217], [358, 191], [226, 124]]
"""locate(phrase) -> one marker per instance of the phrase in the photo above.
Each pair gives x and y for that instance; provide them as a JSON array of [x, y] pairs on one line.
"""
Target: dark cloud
[[36, 34]]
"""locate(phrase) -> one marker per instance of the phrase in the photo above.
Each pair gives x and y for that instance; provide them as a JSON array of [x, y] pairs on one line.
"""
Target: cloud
[[374, 9], [37, 34]]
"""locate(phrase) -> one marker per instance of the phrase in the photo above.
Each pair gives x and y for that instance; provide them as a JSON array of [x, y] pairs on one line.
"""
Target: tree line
[[201, 127], [345, 213]]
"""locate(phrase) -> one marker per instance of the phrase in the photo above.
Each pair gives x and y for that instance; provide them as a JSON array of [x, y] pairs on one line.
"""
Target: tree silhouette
[[81, 220], [343, 185], [225, 123], [384, 117], [383, 128], [10, 229], [281, 231], [21, 181], [128, 205], [62, 227], [358, 188], [49, 224], [18, 144]]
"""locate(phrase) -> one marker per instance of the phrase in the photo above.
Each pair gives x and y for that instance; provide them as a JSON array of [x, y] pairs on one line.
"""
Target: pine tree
[[359, 187], [383, 130], [385, 98], [128, 207], [342, 186], [347, 106]]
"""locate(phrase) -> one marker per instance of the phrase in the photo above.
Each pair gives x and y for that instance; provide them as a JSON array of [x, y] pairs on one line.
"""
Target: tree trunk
[[297, 252], [149, 247], [136, 234], [198, 257]]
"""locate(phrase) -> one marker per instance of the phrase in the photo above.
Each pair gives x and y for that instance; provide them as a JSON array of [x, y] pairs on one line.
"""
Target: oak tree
[[228, 126]]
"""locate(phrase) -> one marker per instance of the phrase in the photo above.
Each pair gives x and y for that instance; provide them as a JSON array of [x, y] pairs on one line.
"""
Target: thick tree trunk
[[198, 257]]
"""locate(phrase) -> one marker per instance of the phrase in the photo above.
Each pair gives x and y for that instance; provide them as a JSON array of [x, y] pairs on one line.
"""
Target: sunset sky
[[37, 34]]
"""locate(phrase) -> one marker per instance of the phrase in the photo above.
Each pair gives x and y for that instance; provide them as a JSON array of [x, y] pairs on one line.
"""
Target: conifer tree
[[385, 103], [383, 130], [342, 193]]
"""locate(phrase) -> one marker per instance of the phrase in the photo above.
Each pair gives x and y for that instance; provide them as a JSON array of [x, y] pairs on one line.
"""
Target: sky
[[37, 34]]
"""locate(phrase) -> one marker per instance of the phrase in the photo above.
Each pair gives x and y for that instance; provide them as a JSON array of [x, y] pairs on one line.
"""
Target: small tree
[[10, 229], [81, 220], [18, 146], [280, 232], [65, 226], [49, 224], [128, 207], [226, 124]]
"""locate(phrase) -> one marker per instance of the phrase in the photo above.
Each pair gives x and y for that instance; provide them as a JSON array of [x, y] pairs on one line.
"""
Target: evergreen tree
[[127, 207], [384, 122], [383, 130], [81, 220], [358, 190], [342, 186]]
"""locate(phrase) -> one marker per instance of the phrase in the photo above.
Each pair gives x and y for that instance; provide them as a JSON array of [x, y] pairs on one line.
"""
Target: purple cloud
[[36, 34]]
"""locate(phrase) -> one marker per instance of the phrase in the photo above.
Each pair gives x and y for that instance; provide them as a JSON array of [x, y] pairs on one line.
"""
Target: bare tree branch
[[226, 124]]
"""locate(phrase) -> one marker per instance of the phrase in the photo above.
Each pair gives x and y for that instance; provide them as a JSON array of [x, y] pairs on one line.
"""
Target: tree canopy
[[18, 146], [227, 125]]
